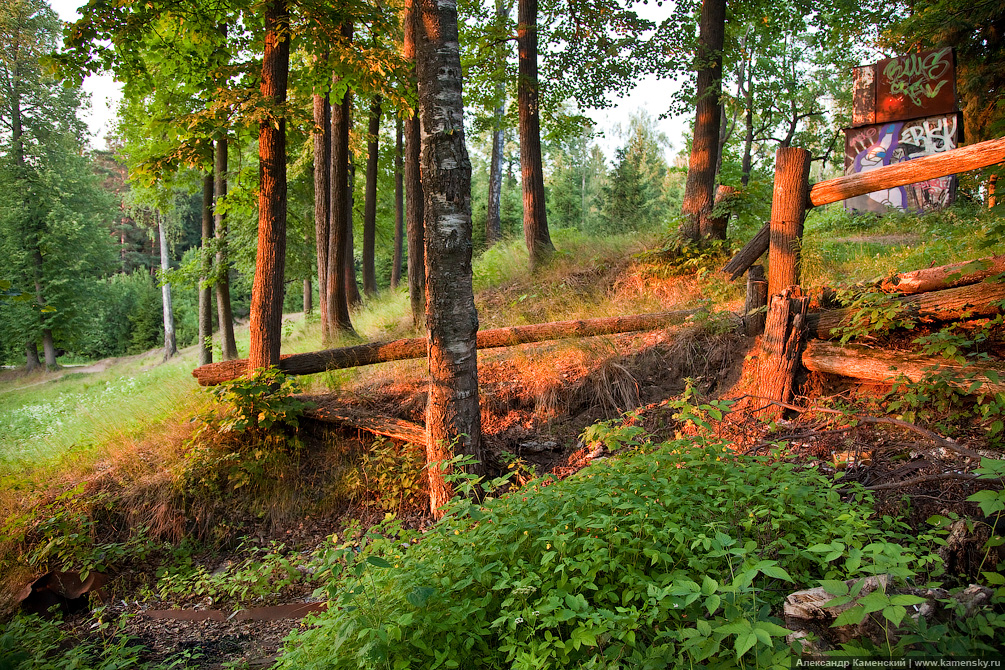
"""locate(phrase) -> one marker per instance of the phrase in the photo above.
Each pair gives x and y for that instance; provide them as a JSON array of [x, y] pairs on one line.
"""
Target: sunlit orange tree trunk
[[453, 421], [267, 290], [699, 189]]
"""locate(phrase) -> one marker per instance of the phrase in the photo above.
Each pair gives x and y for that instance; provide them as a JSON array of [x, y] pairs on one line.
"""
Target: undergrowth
[[675, 556]]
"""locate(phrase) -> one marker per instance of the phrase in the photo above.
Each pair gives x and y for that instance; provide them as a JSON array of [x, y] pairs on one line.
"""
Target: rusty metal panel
[[863, 106], [916, 85], [871, 147]]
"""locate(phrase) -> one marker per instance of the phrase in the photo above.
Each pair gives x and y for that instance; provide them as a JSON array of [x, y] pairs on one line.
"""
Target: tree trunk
[[48, 349], [399, 203], [170, 343], [754, 314], [308, 288], [453, 417], [338, 304], [417, 347], [370, 200], [225, 316], [535, 222], [205, 343], [493, 218], [781, 347], [270, 260], [699, 189], [788, 210], [32, 362], [322, 201], [885, 367], [351, 286], [414, 216]]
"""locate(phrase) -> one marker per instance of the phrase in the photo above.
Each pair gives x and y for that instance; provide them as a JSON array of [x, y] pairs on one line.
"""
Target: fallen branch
[[923, 480], [397, 429], [382, 352], [874, 365], [946, 305], [749, 254], [943, 277]]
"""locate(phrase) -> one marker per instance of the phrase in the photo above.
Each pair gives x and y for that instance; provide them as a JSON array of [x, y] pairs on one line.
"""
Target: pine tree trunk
[[535, 222], [225, 315], [338, 304], [270, 260], [48, 349], [399, 203], [205, 343], [453, 418], [170, 343], [414, 216], [370, 200], [322, 202], [699, 189]]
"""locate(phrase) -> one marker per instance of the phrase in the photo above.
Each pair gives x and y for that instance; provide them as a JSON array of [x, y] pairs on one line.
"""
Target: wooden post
[[749, 254], [788, 209], [757, 298], [781, 346]]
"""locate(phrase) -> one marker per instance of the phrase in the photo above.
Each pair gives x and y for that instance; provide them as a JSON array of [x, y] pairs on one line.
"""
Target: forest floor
[[214, 584]]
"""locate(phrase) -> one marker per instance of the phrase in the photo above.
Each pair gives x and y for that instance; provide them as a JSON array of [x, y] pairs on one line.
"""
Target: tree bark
[[382, 352], [170, 343], [535, 221], [322, 202], [370, 199], [270, 260], [225, 316], [885, 367], [414, 216], [781, 346], [699, 189], [947, 305], [453, 416], [32, 362], [788, 211], [754, 315], [399, 203], [338, 304], [953, 275], [397, 429], [205, 343]]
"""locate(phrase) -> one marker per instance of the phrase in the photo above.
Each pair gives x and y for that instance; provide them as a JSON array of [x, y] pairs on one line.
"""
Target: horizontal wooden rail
[[954, 161], [382, 352]]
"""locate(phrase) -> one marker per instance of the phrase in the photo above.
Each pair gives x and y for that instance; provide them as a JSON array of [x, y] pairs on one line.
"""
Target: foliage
[[873, 314], [668, 558], [397, 472]]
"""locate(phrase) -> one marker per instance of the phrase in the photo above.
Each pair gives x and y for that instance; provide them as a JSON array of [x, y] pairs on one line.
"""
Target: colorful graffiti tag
[[915, 85], [871, 147]]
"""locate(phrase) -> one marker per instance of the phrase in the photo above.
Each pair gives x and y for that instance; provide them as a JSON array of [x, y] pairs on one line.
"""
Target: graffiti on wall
[[915, 85], [871, 147]]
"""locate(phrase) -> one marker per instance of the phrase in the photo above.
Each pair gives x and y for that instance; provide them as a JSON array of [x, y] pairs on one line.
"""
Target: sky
[[650, 95]]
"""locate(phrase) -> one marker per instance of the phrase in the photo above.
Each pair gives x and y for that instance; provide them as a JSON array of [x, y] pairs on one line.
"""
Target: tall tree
[[414, 199], [535, 223], [322, 197], [225, 316], [170, 340], [267, 290], [399, 201], [453, 416], [339, 249], [699, 190], [370, 199], [205, 342]]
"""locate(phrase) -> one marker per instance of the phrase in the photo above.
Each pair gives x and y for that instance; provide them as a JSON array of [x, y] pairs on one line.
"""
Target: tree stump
[[781, 347]]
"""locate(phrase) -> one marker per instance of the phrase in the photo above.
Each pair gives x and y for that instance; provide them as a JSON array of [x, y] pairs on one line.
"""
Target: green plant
[[674, 556], [395, 471], [260, 402], [873, 315]]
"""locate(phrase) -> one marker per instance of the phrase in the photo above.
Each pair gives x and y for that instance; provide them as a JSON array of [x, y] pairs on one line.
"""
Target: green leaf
[[852, 616], [377, 561], [834, 587], [744, 643], [894, 614], [420, 595], [772, 629], [708, 586], [712, 603], [777, 572], [995, 578]]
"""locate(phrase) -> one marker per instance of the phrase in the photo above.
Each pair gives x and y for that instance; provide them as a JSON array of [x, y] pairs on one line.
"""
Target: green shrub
[[671, 557]]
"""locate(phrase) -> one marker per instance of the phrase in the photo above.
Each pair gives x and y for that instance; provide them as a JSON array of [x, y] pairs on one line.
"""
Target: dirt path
[[62, 371]]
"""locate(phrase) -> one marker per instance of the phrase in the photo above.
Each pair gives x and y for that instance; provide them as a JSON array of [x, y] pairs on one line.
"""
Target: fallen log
[[876, 365], [964, 159], [781, 345], [382, 352], [943, 277], [749, 254], [947, 305], [398, 429]]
